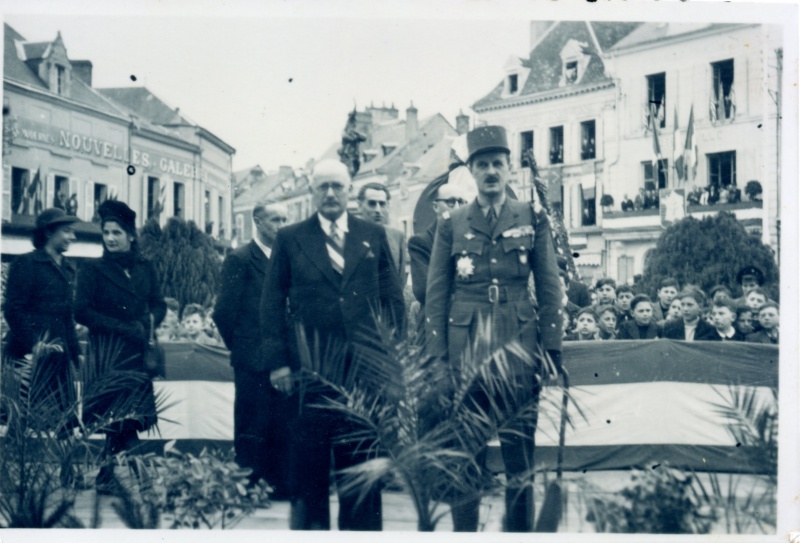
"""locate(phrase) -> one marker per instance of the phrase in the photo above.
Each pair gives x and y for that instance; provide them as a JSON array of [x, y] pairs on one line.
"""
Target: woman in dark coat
[[38, 305], [117, 296]]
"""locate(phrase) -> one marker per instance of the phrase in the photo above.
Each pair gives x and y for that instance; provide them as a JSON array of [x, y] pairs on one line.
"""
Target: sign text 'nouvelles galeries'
[[146, 159]]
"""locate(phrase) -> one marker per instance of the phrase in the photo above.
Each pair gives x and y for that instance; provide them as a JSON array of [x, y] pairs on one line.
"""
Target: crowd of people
[[688, 313], [320, 283]]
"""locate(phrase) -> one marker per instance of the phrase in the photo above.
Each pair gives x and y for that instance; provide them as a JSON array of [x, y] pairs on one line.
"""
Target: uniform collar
[[341, 223], [484, 205]]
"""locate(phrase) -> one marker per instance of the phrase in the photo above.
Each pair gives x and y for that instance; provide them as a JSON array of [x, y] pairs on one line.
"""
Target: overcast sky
[[276, 79]]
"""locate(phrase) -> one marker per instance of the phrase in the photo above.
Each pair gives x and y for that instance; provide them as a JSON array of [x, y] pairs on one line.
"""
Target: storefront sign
[[40, 133]]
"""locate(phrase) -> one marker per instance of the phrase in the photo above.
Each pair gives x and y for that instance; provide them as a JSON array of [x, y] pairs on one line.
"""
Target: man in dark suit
[[482, 257], [692, 327], [374, 202], [260, 412], [332, 272]]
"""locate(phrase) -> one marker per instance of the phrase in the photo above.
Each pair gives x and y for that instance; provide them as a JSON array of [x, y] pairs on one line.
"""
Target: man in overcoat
[[39, 300], [260, 413], [482, 256], [332, 272]]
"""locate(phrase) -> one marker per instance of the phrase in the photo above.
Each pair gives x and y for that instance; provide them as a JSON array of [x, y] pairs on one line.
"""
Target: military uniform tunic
[[479, 270]]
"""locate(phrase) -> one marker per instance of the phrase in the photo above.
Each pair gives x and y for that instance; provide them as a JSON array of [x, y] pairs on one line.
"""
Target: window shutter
[[5, 214]]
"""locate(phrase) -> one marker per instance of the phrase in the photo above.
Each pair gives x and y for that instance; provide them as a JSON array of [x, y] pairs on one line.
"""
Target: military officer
[[482, 256]]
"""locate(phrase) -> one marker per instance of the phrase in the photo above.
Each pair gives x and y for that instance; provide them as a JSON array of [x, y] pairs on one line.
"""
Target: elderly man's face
[[375, 206], [490, 171], [329, 195]]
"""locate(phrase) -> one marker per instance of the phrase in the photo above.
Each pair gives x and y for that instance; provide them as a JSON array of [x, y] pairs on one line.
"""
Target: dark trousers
[[315, 440], [517, 447], [261, 419]]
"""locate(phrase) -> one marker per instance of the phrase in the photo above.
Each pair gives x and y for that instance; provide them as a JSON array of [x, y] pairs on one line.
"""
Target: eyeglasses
[[452, 202]]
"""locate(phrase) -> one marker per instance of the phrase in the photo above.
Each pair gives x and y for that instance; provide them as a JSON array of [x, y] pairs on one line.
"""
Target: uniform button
[[495, 281], [434, 332], [494, 242], [451, 320], [341, 299], [493, 261]]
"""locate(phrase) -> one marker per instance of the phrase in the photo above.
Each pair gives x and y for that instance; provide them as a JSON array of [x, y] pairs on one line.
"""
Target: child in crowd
[[744, 320], [642, 326], [707, 316], [755, 299], [585, 326], [768, 317], [623, 304], [718, 292], [567, 323], [667, 291], [723, 313], [691, 327], [210, 328], [193, 323], [167, 331], [674, 312], [607, 322], [606, 289], [173, 310]]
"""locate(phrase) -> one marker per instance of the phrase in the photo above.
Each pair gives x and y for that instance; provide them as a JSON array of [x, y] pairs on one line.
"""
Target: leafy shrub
[[660, 500]]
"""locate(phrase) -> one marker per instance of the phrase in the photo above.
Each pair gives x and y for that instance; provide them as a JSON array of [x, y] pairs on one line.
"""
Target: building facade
[[587, 102], [69, 145]]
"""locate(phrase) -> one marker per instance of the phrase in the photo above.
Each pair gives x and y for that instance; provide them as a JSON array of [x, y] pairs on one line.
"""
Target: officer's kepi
[[486, 139]]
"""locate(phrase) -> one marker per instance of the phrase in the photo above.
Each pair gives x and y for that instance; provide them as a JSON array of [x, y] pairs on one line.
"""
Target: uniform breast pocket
[[466, 254], [520, 250]]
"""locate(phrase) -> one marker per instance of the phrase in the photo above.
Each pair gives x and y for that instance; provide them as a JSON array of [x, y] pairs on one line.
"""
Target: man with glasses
[[450, 196], [374, 204], [328, 276], [260, 434]]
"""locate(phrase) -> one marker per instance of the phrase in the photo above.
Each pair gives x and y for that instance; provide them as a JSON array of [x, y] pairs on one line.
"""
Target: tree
[[708, 252], [185, 260]]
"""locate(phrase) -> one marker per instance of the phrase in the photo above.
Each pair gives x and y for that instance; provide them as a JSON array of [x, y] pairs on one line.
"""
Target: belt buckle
[[494, 294]]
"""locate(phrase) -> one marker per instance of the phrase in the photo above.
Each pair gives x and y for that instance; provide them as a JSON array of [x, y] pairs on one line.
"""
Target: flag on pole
[[688, 160], [654, 127]]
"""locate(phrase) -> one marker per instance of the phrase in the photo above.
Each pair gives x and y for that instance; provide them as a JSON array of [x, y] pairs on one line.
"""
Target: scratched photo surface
[[660, 140]]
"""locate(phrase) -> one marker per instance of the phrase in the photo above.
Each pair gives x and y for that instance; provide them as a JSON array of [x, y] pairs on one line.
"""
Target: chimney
[[462, 123], [82, 69], [538, 28], [412, 123]]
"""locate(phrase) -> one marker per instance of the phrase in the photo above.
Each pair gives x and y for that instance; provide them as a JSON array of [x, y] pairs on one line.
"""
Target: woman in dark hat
[[117, 297], [39, 306]]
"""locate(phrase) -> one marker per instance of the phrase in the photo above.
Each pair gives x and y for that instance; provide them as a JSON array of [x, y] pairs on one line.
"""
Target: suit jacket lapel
[[507, 219], [116, 275], [476, 219], [355, 246], [258, 258], [311, 240]]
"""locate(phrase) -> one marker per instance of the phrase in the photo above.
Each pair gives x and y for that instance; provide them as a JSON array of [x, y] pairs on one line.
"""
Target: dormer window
[[61, 80], [574, 60], [513, 83]]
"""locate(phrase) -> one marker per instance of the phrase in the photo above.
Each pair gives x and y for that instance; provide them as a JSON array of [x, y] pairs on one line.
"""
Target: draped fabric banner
[[635, 403]]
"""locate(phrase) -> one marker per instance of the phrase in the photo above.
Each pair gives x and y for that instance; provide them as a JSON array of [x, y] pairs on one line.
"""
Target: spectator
[[691, 327], [768, 317], [585, 326], [674, 312], [569, 307], [607, 322], [748, 278], [667, 291], [167, 332], [638, 202], [173, 312], [723, 313], [744, 320], [718, 292], [707, 316], [606, 289], [642, 325], [210, 328], [193, 324], [577, 292], [567, 324], [593, 296], [756, 298], [627, 203], [624, 296]]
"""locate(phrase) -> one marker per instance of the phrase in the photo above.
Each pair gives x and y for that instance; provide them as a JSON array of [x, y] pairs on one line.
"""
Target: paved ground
[[399, 513]]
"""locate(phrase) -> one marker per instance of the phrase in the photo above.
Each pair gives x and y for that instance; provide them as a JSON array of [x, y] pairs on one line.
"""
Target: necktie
[[335, 245], [491, 216]]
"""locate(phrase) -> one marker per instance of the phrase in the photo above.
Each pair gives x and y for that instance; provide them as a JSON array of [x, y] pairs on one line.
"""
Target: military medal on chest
[[523, 255], [464, 266]]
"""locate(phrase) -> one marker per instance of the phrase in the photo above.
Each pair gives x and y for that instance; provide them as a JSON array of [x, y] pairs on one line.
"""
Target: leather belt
[[493, 294]]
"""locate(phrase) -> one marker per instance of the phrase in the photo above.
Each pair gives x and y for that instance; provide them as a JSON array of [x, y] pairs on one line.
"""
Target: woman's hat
[[119, 212], [54, 217]]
